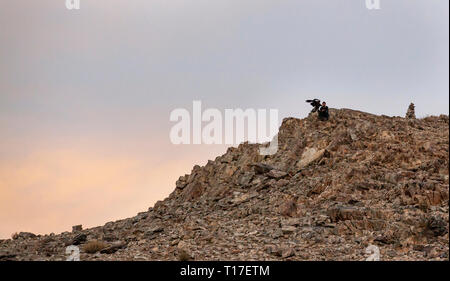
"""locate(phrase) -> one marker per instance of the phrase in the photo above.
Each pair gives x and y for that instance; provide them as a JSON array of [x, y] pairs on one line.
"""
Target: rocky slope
[[332, 189]]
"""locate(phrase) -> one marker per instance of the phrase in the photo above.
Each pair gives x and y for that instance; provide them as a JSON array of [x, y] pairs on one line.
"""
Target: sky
[[86, 95]]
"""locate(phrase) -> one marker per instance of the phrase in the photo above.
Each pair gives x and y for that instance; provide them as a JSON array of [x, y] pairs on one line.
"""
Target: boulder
[[309, 156]]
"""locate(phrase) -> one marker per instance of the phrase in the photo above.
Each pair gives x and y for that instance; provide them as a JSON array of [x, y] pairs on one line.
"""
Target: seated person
[[323, 112]]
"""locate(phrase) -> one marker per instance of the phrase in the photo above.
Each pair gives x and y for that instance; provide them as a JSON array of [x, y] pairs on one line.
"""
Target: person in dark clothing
[[315, 104], [323, 112]]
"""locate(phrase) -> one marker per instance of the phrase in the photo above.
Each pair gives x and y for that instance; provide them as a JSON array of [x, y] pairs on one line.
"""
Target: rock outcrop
[[332, 189]]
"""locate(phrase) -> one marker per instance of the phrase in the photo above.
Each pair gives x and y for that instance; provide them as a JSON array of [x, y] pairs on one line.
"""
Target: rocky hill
[[332, 189]]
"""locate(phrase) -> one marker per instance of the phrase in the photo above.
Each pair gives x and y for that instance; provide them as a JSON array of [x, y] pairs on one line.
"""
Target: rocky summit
[[333, 189]]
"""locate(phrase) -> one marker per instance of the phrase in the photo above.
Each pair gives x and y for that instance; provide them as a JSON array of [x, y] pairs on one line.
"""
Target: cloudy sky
[[85, 95]]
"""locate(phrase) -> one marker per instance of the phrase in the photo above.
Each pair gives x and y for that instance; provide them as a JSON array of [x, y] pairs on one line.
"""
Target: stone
[[291, 222], [182, 245], [240, 198], [344, 213], [272, 250], [309, 156], [261, 168], [7, 256], [436, 226], [78, 239], [193, 190], [77, 228], [386, 136], [288, 229], [281, 183], [181, 182], [276, 174], [277, 234], [114, 247], [246, 178], [289, 207], [427, 146], [287, 252], [23, 235], [153, 231]]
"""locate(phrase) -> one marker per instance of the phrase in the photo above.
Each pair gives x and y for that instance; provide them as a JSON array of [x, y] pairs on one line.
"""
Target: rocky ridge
[[332, 189]]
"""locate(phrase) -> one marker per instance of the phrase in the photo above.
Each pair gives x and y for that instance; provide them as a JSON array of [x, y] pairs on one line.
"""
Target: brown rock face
[[332, 189]]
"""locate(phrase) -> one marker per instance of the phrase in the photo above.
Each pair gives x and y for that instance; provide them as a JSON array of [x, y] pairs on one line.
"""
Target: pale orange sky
[[49, 189]]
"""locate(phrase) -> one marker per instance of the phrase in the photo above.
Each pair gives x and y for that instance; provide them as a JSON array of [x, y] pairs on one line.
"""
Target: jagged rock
[[78, 239], [345, 213], [114, 247], [277, 234], [110, 237], [7, 256], [386, 239], [436, 226], [193, 190], [23, 235], [153, 231], [309, 156], [240, 198], [141, 216], [288, 229], [184, 251], [282, 182], [316, 190], [182, 245], [291, 222], [287, 252], [246, 178], [183, 255], [289, 207], [272, 250], [276, 174], [261, 168], [181, 182]]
